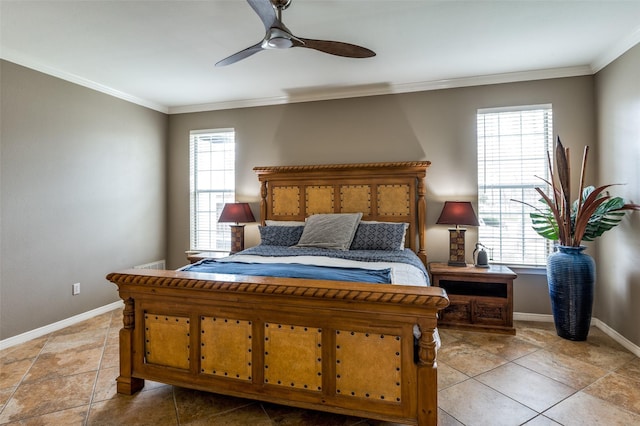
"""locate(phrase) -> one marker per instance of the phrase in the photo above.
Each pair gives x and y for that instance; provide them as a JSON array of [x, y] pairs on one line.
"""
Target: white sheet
[[401, 273]]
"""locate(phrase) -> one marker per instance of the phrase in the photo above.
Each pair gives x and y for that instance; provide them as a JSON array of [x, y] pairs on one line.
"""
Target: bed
[[345, 346]]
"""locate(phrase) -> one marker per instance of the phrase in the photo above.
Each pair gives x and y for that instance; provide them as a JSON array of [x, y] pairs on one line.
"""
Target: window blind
[[512, 150], [212, 182]]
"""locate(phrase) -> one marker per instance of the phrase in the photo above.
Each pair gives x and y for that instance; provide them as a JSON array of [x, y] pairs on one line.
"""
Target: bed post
[[127, 384], [427, 378], [422, 214], [263, 202]]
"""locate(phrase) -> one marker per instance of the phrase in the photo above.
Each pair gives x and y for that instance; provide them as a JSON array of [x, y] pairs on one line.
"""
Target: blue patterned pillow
[[379, 236], [280, 235]]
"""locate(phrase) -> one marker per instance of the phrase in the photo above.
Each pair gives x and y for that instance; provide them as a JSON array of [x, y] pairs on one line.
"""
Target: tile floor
[[533, 378]]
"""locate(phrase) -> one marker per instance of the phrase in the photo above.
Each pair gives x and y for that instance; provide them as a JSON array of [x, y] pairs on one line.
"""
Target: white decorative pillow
[[331, 231]]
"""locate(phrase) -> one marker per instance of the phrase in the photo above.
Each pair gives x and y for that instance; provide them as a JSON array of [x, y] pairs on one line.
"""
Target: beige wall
[[82, 193], [438, 126], [618, 267]]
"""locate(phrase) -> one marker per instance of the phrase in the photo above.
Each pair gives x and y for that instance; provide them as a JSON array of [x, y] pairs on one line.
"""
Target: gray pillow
[[331, 231]]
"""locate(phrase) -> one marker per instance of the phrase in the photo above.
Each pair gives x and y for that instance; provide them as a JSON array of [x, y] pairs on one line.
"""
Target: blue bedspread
[[312, 272], [293, 270]]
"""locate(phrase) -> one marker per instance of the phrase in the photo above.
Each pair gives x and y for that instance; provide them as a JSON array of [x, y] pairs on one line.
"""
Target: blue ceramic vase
[[571, 279]]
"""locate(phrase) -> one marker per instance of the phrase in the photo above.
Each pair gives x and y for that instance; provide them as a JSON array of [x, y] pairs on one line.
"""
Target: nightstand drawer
[[490, 312], [479, 298]]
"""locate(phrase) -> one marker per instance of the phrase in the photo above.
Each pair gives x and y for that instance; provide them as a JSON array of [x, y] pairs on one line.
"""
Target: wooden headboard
[[388, 192]]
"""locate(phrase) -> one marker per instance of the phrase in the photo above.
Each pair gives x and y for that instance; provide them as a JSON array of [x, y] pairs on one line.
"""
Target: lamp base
[[456, 247], [237, 238]]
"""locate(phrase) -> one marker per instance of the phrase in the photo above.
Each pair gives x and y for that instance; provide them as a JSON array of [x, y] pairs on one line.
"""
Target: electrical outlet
[[75, 289]]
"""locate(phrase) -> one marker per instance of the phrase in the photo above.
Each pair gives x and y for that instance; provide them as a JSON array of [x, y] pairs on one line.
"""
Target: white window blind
[[212, 181], [512, 150]]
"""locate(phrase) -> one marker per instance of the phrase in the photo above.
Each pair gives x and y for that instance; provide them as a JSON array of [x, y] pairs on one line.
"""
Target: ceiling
[[161, 54]]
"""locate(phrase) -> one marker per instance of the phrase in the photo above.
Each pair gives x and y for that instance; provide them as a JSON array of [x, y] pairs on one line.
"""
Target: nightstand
[[197, 256], [479, 298]]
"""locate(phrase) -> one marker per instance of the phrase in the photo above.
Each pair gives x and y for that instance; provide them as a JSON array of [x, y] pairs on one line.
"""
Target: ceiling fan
[[278, 36]]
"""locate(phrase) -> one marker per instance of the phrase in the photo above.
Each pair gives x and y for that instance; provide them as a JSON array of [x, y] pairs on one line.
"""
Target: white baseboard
[[628, 345], [39, 332]]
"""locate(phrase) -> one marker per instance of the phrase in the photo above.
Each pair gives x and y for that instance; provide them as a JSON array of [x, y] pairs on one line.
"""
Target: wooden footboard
[[342, 347]]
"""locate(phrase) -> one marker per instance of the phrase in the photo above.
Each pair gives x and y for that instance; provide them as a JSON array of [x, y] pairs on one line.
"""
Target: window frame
[[205, 233], [527, 249]]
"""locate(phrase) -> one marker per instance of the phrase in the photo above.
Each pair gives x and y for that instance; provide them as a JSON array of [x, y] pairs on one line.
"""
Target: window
[[212, 181], [513, 144]]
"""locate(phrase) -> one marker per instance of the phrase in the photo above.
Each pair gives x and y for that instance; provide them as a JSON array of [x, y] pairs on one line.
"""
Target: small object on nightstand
[[236, 212], [479, 298], [481, 260]]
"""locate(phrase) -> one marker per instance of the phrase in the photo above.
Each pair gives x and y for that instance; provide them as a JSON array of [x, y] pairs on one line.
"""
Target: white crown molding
[[72, 78], [616, 50], [376, 90]]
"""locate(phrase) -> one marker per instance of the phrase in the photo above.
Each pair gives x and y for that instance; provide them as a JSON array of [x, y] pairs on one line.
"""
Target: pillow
[[331, 231], [283, 223], [379, 236], [280, 235]]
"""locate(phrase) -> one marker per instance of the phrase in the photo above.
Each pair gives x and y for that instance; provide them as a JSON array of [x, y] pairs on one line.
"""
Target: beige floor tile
[[631, 369], [193, 405], [281, 415], [448, 376], [71, 361], [11, 373], [619, 390], [26, 350], [596, 350], [48, 396], [563, 368], [444, 419], [111, 356], [100, 322], [529, 388], [82, 340], [154, 407], [5, 394], [251, 415], [541, 421], [75, 416], [469, 359], [509, 347], [106, 386], [537, 333], [473, 403], [582, 409]]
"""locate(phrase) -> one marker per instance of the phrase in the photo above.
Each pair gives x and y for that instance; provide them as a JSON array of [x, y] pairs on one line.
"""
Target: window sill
[[528, 270]]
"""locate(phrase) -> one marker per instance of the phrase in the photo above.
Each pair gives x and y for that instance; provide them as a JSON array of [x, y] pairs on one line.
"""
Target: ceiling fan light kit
[[278, 36]]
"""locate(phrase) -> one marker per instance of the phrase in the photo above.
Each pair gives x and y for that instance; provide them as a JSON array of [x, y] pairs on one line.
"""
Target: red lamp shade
[[236, 212], [458, 213]]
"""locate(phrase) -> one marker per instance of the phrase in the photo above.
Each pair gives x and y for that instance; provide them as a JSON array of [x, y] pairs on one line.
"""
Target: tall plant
[[588, 217]]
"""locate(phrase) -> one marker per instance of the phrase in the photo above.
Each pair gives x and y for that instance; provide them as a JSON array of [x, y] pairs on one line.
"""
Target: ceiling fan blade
[[337, 48], [240, 55], [265, 10]]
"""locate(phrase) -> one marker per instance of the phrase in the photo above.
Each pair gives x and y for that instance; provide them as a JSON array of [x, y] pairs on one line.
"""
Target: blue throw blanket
[[309, 271], [293, 270]]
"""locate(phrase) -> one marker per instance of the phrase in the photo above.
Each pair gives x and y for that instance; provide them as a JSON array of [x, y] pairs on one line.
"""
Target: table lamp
[[457, 213], [237, 213]]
